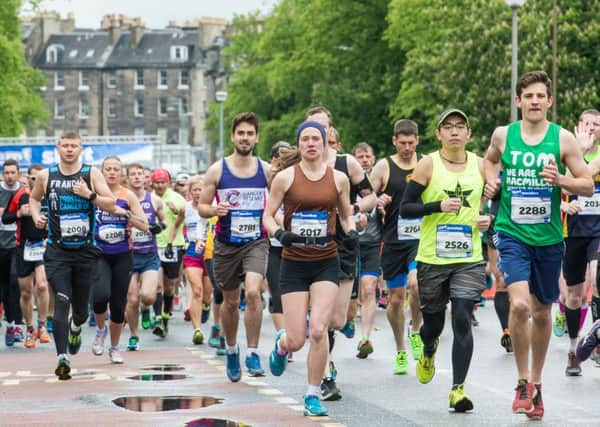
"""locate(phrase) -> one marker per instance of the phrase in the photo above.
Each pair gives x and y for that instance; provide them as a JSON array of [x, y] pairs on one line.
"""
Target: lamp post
[[514, 5], [221, 96]]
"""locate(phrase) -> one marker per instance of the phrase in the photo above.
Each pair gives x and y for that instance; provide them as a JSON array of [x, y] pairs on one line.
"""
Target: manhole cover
[[165, 403], [157, 377]]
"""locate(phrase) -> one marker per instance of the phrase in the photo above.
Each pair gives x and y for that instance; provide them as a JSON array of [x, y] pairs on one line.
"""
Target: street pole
[[514, 63], [554, 59], [220, 97]]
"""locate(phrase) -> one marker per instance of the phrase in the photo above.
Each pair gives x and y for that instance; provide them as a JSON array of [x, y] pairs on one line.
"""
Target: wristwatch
[[92, 197]]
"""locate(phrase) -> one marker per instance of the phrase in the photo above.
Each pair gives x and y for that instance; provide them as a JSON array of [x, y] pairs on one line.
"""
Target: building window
[[112, 79], [162, 135], [112, 107], [59, 80], [52, 54], [83, 132], [84, 80], [184, 79], [139, 79], [183, 135], [183, 105], [163, 83], [162, 106], [138, 131], [138, 108], [84, 107], [179, 53], [59, 108]]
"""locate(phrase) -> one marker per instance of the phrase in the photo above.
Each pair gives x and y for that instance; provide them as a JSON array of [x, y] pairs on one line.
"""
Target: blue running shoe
[[277, 363], [213, 341], [49, 324], [222, 348], [92, 319], [313, 407], [253, 365], [205, 313], [9, 338], [349, 329], [588, 343], [234, 371], [19, 334]]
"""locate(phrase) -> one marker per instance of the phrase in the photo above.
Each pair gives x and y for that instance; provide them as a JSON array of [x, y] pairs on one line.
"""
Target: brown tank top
[[310, 210]]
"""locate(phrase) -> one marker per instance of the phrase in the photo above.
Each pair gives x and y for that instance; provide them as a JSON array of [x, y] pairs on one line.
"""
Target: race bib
[[531, 206], [245, 226], [590, 205], [454, 241], [310, 224], [33, 251], [193, 234], [140, 236], [163, 258], [75, 225], [112, 233], [409, 228]]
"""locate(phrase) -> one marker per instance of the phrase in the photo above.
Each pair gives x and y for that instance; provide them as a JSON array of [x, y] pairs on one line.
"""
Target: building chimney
[[137, 32], [67, 25], [114, 30]]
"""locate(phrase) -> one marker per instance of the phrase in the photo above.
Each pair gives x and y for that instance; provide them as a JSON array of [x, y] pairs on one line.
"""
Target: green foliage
[[20, 104]]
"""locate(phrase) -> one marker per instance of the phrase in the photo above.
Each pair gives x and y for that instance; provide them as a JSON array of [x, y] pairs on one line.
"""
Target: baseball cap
[[182, 178], [160, 175], [449, 112]]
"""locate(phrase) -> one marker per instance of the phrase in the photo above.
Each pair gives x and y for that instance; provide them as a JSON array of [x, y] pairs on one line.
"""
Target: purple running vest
[[144, 242]]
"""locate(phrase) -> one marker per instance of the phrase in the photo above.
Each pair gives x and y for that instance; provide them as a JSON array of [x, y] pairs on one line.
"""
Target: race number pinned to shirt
[[74, 225], [163, 258], [590, 205], [245, 226], [310, 224], [531, 206], [409, 228], [112, 233], [33, 251], [193, 232], [140, 236], [454, 241]]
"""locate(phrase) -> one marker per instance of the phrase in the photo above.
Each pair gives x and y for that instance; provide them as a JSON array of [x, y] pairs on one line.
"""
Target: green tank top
[[529, 207], [591, 156], [449, 238]]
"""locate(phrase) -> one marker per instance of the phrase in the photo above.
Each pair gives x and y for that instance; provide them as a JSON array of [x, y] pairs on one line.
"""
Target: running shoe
[[213, 341], [165, 322], [92, 319], [19, 336], [313, 407], [277, 362], [98, 344], [198, 337], [573, 368], [253, 365], [459, 400], [332, 370], [234, 371], [146, 318], [506, 342], [186, 315], [595, 356], [474, 320], [559, 327], [205, 313], [426, 365], [416, 345], [9, 336], [29, 339], [222, 348], [538, 404], [63, 369], [242, 304], [589, 342], [74, 340], [401, 363], [115, 356], [43, 335], [159, 329], [364, 348], [133, 344], [349, 329], [383, 300], [523, 402], [329, 390], [50, 324]]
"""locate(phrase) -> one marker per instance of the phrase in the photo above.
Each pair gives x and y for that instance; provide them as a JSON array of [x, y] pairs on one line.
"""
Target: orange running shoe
[[43, 335], [29, 339]]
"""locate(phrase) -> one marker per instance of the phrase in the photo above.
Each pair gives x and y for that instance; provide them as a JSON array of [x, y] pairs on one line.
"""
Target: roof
[[79, 49]]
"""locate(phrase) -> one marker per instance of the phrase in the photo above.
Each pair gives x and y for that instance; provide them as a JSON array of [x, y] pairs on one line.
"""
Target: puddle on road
[[166, 403], [214, 422], [167, 367], [157, 377]]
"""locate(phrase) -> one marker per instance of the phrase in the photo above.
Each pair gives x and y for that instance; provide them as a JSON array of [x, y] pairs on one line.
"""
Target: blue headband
[[311, 124]]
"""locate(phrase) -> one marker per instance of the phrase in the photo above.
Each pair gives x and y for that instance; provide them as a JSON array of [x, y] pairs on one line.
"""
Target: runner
[[311, 192], [400, 240], [29, 261], [217, 339], [146, 263], [115, 264], [170, 249], [533, 154], [239, 182], [72, 189], [445, 189]]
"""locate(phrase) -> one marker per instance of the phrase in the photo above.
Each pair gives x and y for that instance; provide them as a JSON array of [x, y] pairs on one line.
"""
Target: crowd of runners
[[326, 234]]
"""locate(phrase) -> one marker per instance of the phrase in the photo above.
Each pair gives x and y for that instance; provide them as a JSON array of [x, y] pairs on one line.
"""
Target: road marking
[[23, 373], [256, 383], [101, 377], [269, 391], [325, 418], [296, 407], [333, 425], [286, 400], [214, 362], [4, 374], [220, 368], [11, 382]]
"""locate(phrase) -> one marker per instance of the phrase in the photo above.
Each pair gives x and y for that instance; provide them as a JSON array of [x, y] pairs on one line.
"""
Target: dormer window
[[179, 53], [52, 53]]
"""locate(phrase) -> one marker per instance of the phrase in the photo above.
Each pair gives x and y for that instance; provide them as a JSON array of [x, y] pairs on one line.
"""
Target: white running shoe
[[98, 344], [115, 355]]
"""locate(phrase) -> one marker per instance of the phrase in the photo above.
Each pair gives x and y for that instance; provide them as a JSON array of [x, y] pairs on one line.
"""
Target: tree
[[20, 104]]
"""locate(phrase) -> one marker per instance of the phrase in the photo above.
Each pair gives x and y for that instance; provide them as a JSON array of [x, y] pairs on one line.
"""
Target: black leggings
[[70, 275], [112, 285], [10, 293], [273, 270], [210, 269]]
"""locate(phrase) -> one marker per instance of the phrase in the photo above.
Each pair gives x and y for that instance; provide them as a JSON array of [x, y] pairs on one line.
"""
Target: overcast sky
[[154, 13]]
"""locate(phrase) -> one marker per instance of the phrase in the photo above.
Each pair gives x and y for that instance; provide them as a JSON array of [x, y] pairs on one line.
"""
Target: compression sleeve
[[412, 206]]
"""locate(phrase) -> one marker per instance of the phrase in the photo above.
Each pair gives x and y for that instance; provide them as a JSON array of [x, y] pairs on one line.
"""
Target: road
[[372, 395]]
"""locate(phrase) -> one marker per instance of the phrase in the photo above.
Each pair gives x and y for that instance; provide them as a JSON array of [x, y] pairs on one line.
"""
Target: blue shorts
[[537, 265], [401, 280], [145, 262]]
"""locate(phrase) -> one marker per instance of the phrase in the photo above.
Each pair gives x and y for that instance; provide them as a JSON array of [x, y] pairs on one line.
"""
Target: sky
[[154, 13]]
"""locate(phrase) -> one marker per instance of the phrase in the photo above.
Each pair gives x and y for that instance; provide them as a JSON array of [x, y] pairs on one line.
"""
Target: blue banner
[[93, 154]]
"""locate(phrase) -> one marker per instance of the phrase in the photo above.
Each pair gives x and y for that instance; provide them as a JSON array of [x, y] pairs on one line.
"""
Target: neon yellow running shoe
[[426, 366], [459, 400], [401, 363], [416, 345]]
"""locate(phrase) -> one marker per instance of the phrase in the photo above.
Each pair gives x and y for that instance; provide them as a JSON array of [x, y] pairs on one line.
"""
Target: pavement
[[372, 396]]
